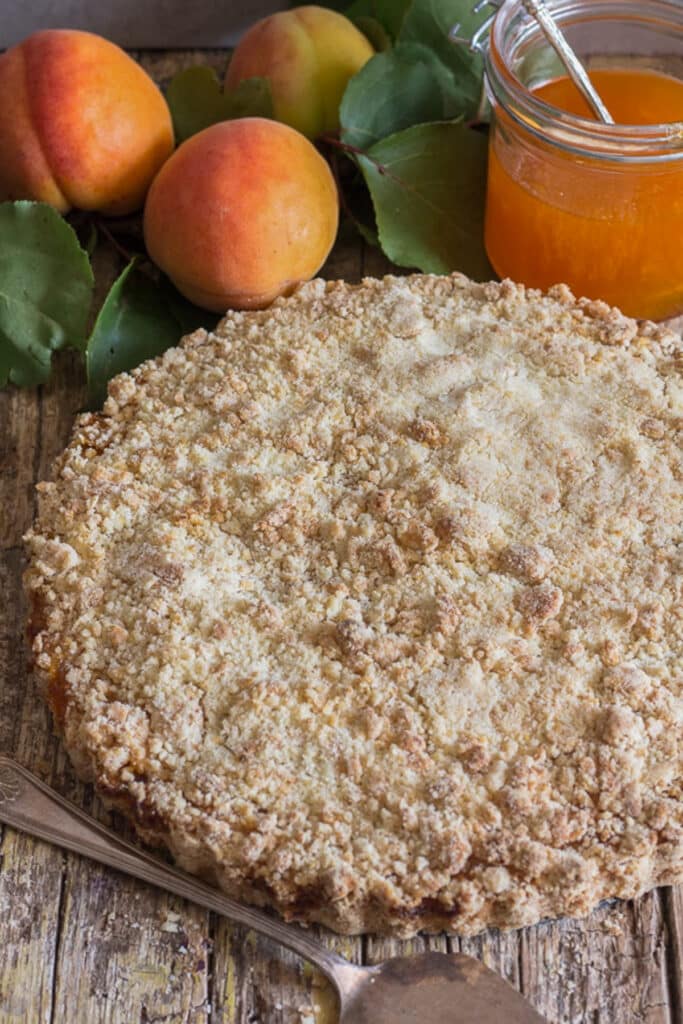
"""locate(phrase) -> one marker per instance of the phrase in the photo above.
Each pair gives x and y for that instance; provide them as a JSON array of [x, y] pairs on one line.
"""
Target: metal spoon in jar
[[430, 988], [575, 69]]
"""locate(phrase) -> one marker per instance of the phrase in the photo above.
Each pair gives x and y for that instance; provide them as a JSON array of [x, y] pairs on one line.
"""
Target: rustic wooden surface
[[80, 944]]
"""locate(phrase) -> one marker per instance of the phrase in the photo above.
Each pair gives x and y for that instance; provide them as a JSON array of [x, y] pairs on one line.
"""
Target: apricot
[[241, 213], [308, 54], [81, 124]]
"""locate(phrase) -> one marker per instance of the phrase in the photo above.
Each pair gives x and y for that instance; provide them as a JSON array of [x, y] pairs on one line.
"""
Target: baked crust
[[369, 605]]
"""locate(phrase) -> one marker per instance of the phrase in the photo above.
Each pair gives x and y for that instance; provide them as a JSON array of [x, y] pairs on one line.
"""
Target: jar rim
[[512, 27]]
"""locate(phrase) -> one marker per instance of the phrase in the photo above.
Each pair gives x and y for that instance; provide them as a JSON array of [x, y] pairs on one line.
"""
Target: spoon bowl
[[430, 988]]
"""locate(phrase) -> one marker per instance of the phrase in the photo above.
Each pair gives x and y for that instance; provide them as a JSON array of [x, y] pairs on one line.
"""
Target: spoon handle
[[30, 805], [538, 10]]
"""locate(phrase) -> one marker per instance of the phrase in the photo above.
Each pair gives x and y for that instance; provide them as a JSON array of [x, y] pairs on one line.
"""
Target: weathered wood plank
[[610, 967], [672, 903], [30, 887], [257, 982], [19, 426], [345, 262], [382, 947], [128, 953], [30, 873], [262, 982], [498, 950], [12, 652]]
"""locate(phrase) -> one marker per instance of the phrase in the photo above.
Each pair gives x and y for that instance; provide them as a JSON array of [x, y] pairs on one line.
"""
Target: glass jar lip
[[578, 135]]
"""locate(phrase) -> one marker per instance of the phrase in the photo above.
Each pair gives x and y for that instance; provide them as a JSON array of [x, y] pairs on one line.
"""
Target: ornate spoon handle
[[539, 12], [30, 805]]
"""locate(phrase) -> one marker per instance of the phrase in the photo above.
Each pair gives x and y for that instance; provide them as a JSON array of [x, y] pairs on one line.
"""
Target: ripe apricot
[[308, 54], [81, 124], [241, 213]]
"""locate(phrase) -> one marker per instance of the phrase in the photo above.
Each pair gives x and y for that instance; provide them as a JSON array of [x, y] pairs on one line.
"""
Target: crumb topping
[[371, 604]]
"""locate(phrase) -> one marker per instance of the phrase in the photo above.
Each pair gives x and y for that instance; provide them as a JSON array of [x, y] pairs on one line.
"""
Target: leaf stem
[[337, 143], [346, 147]]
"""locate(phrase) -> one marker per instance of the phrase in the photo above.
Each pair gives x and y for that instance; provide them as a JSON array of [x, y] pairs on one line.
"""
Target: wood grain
[[80, 944]]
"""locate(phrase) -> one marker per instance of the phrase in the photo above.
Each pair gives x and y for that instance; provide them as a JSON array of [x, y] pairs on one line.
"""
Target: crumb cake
[[369, 606]]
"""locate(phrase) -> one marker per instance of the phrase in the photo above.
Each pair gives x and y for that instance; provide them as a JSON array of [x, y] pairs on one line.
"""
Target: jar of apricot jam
[[570, 199]]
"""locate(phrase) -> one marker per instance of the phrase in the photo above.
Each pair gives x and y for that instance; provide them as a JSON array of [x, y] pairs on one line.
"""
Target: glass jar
[[599, 207]]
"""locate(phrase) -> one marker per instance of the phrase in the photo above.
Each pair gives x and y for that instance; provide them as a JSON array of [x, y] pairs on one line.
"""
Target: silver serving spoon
[[540, 13], [430, 988]]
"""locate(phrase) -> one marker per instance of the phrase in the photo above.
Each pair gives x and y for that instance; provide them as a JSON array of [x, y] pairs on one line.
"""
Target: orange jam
[[611, 230]]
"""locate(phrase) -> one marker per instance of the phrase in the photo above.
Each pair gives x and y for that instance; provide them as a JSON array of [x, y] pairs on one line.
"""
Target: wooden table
[[80, 944]]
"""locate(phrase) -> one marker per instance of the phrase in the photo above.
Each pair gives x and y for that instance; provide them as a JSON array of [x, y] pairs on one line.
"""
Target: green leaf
[[196, 101], [428, 23], [27, 340], [394, 90], [367, 232], [427, 185], [140, 319], [374, 31], [46, 287], [187, 316], [389, 13]]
